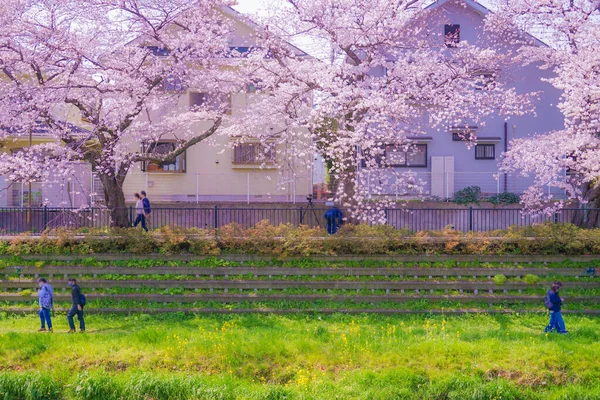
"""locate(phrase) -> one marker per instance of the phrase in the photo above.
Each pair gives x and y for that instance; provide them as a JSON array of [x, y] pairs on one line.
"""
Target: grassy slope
[[304, 357]]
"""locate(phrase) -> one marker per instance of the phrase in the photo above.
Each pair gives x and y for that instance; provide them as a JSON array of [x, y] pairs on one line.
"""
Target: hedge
[[286, 240]]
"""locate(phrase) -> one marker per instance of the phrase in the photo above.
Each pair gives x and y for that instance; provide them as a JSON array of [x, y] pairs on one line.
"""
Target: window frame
[[406, 156], [146, 164], [451, 35], [485, 80], [269, 160], [483, 146]]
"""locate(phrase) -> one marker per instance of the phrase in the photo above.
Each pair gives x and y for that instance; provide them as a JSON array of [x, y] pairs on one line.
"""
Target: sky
[[249, 7]]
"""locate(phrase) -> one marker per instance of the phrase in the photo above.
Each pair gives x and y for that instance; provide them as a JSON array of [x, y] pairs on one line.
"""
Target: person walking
[[77, 304], [554, 302], [46, 300], [139, 210], [334, 218], [147, 208]]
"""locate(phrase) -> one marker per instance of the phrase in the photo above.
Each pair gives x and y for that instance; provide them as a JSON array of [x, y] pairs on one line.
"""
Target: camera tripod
[[310, 207]]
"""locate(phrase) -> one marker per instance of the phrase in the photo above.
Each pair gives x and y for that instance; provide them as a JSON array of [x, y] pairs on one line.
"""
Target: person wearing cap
[[334, 218], [46, 300]]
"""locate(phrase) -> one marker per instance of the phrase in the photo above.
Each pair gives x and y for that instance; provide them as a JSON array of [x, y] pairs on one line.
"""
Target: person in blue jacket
[[334, 218], [46, 300], [556, 319]]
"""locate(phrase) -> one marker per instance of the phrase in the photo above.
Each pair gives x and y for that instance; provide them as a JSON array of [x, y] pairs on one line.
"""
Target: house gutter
[[505, 150]]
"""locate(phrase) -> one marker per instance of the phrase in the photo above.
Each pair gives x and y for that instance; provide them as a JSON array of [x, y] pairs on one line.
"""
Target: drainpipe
[[505, 150]]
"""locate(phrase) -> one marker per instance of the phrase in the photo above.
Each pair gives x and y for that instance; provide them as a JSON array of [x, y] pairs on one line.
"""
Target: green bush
[[470, 194], [499, 279], [531, 279], [287, 240], [505, 198]]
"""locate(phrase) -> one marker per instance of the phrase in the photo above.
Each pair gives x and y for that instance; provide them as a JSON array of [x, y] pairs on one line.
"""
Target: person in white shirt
[[139, 211]]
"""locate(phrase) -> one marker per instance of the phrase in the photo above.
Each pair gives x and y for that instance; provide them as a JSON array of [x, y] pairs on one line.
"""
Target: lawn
[[304, 356]]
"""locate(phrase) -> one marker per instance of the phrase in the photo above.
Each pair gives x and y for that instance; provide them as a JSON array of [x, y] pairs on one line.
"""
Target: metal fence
[[36, 220]]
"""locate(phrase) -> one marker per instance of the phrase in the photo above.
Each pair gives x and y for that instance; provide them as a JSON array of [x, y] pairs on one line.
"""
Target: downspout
[[505, 150]]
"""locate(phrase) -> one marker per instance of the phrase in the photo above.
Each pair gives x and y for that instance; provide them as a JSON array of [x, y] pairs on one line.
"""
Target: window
[[463, 133], [485, 152], [172, 84], [213, 101], [451, 35], [415, 157], [462, 136], [178, 164], [158, 51], [254, 154], [485, 81]]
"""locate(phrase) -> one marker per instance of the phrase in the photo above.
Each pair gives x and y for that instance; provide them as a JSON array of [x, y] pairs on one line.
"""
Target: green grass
[[179, 356], [300, 263]]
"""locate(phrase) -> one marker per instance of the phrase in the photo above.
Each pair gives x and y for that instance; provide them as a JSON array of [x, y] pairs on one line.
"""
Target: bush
[[287, 240], [499, 279], [470, 194], [505, 198], [531, 279]]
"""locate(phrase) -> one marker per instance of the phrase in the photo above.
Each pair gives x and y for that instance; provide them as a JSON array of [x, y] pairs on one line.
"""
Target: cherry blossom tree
[[104, 76], [391, 78], [571, 28]]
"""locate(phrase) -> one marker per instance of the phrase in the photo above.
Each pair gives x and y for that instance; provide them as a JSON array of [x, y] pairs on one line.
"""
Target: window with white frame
[[415, 156], [254, 154], [175, 165]]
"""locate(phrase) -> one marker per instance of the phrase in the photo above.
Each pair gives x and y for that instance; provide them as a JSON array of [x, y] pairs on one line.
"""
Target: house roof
[[253, 25], [480, 9], [238, 16]]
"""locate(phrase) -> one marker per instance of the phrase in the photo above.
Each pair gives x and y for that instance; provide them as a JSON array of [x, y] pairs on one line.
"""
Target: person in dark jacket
[[46, 300], [147, 207], [334, 218], [556, 319], [76, 307]]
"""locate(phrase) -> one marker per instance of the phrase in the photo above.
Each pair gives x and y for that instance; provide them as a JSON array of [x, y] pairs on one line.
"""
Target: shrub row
[[286, 240]]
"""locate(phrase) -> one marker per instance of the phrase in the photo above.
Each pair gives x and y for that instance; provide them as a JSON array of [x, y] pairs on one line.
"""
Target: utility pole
[[29, 186]]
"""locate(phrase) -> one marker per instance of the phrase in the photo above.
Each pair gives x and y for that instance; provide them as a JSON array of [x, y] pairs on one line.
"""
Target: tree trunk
[[590, 216], [115, 201]]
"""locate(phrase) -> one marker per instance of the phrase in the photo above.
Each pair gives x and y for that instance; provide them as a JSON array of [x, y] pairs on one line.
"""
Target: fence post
[[470, 219], [301, 215], [130, 215], [386, 216], [556, 218], [216, 217], [45, 217]]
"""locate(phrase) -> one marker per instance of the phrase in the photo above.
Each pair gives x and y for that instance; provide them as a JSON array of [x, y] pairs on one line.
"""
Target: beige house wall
[[211, 174], [72, 192]]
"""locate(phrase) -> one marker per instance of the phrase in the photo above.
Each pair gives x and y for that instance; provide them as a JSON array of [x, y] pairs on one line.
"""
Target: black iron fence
[[36, 220]]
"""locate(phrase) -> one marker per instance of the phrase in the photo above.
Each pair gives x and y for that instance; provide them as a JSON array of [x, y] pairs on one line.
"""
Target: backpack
[[82, 300], [547, 303]]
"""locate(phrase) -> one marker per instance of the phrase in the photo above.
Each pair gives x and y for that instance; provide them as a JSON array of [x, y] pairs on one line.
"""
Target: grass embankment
[[183, 290], [300, 357]]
